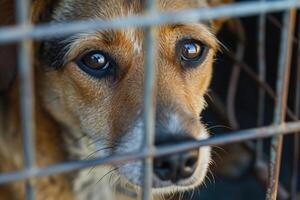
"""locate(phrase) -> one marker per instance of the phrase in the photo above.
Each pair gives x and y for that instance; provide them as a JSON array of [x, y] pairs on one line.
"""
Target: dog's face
[[92, 82]]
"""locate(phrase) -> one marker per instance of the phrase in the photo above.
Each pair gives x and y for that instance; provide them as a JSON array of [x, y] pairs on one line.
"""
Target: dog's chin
[[132, 173]]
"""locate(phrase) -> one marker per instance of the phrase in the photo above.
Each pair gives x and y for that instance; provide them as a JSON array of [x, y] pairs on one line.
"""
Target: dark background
[[246, 186]]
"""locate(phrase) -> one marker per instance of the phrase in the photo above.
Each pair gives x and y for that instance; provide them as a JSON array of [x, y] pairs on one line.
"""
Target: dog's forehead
[[105, 9], [58, 50]]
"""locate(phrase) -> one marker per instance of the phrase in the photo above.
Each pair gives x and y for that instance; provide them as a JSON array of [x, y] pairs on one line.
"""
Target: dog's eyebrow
[[174, 26], [54, 50], [180, 25]]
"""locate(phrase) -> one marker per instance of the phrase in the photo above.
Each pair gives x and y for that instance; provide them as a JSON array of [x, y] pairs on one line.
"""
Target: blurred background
[[234, 104]]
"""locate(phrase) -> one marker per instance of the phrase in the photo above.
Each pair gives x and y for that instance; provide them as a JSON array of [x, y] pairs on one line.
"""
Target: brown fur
[[67, 97]]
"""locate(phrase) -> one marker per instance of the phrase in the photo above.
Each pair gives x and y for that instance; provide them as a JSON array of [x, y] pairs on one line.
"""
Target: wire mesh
[[23, 33]]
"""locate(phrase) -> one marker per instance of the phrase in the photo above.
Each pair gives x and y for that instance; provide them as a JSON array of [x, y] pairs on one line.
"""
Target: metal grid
[[24, 32]]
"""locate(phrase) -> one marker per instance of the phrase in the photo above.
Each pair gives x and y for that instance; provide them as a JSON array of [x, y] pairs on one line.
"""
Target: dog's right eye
[[95, 63]]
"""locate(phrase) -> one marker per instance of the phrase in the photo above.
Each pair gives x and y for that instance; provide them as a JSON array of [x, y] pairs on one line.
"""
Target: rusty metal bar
[[289, 19], [277, 24], [226, 138], [262, 76], [242, 9], [295, 166], [149, 101], [261, 173], [26, 94]]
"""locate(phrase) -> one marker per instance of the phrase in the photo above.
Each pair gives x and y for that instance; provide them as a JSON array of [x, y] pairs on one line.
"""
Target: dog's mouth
[[177, 172], [167, 177]]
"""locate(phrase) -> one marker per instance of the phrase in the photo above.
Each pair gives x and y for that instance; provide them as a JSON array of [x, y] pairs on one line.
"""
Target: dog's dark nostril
[[189, 163], [165, 168], [176, 167], [164, 165]]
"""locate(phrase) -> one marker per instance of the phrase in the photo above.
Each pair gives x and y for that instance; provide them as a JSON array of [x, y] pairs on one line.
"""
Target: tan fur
[[68, 100]]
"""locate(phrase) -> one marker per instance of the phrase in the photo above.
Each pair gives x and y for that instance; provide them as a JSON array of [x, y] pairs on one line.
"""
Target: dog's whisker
[[207, 177], [181, 195], [219, 148], [97, 151], [96, 140], [116, 183], [198, 191], [217, 156], [106, 175], [192, 193], [212, 175]]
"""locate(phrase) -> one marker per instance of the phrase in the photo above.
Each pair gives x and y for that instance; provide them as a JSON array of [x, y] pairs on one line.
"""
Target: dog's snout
[[176, 167]]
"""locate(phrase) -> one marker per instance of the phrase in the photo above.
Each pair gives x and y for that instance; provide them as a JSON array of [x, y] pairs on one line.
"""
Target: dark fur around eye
[[53, 51]]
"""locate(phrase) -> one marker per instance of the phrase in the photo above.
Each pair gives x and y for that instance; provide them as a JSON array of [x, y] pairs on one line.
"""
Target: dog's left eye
[[192, 52], [95, 63]]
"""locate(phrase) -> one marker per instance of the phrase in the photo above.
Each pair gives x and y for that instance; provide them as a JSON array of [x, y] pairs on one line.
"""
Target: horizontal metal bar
[[226, 138], [15, 33]]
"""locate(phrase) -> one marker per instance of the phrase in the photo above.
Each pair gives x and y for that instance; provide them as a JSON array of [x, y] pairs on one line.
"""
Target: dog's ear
[[218, 23], [42, 10]]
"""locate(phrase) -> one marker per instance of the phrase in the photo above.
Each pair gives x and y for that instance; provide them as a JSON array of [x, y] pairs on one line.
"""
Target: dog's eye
[[192, 52], [95, 60], [95, 63]]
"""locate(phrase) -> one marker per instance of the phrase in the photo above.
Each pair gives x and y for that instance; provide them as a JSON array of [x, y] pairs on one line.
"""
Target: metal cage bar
[[261, 54], [27, 94], [295, 170], [226, 138], [149, 101], [284, 67], [16, 33]]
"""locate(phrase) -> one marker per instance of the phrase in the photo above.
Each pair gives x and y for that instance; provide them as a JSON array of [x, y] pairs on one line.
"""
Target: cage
[[264, 100]]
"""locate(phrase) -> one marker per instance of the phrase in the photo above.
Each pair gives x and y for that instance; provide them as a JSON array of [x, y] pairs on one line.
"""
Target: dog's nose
[[176, 167]]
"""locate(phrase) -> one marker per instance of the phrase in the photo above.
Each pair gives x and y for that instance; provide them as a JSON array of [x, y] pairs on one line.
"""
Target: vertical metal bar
[[262, 76], [294, 178], [233, 86], [26, 93], [149, 101], [282, 92]]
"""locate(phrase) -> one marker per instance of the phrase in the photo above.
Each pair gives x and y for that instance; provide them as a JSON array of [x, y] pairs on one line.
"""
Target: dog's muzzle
[[177, 166]]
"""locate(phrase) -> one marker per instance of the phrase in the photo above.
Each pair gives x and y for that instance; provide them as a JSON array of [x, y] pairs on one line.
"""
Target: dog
[[89, 97]]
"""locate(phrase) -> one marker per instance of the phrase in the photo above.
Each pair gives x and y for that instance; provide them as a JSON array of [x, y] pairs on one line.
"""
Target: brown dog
[[89, 98]]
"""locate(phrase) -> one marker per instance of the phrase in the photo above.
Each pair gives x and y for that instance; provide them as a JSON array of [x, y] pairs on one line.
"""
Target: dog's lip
[[158, 183], [163, 184]]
